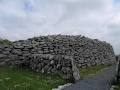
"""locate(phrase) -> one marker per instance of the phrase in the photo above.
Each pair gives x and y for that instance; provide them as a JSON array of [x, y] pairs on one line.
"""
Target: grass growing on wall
[[19, 79], [5, 42], [91, 70]]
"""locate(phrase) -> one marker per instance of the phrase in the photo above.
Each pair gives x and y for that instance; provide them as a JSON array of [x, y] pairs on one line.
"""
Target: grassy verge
[[22, 79], [91, 70], [19, 79]]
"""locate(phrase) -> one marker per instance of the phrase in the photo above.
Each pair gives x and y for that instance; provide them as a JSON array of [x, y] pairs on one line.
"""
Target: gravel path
[[101, 81]]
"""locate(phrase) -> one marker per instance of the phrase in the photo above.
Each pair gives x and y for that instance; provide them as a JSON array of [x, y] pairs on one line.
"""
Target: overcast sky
[[21, 19]]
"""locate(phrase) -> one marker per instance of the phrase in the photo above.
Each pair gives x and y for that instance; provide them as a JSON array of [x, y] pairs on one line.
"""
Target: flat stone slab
[[101, 81]]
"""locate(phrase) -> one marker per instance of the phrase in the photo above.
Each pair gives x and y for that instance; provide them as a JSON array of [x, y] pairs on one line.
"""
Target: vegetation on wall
[[5, 41]]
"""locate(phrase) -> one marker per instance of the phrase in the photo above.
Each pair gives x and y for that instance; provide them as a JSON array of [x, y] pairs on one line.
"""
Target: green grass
[[5, 42], [91, 70], [19, 79], [117, 86], [22, 79]]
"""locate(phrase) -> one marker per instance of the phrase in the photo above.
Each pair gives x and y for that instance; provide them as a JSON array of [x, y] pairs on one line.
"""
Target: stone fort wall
[[57, 53]]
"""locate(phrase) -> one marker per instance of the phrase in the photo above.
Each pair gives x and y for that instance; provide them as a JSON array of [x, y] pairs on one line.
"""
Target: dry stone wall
[[54, 54]]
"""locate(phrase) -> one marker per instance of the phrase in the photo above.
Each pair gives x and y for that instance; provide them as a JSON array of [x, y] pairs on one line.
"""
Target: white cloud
[[21, 19]]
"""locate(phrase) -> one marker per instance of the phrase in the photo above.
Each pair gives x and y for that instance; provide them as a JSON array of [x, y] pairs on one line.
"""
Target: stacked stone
[[46, 63], [5, 51], [85, 51], [47, 53]]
